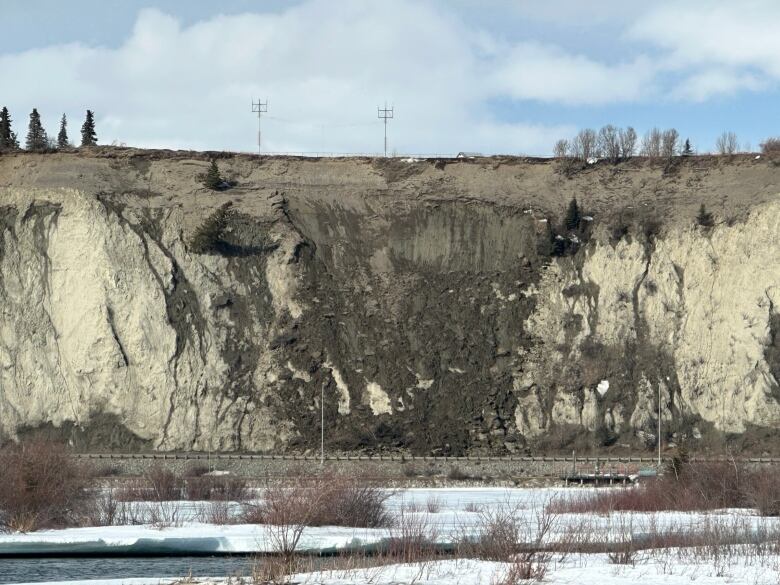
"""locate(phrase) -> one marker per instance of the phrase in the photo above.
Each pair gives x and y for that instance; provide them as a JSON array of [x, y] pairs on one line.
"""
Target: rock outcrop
[[421, 299]]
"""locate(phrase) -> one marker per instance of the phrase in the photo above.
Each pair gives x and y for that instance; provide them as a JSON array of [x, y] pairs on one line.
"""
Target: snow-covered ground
[[450, 515]]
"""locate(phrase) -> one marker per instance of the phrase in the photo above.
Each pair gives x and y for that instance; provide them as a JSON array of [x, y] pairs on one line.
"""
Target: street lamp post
[[659, 428]]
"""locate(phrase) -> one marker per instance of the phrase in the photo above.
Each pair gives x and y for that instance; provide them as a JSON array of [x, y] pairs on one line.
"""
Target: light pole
[[659, 428], [322, 425]]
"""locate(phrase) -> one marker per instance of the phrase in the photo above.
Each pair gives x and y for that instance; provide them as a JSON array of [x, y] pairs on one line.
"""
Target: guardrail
[[404, 458]]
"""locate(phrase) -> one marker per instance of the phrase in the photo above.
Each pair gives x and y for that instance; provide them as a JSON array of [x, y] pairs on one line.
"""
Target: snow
[[449, 514], [192, 537]]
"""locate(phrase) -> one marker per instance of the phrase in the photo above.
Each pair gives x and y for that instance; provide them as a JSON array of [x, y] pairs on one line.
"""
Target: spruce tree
[[704, 217], [687, 150], [62, 137], [36, 135], [88, 135], [573, 216], [8, 140], [208, 236], [213, 180]]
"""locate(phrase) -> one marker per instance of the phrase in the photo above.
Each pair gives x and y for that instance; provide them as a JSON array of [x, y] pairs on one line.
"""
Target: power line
[[260, 108], [319, 125], [385, 114]]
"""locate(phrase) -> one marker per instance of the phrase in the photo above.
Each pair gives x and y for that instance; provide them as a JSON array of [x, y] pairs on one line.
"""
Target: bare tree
[[584, 144], [770, 145], [561, 148], [669, 142], [726, 143], [651, 143], [609, 142], [627, 142]]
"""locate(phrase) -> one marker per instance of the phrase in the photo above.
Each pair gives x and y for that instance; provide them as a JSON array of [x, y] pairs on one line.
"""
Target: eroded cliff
[[420, 298]]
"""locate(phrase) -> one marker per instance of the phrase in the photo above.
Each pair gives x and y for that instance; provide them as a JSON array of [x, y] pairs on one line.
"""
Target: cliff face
[[419, 298]]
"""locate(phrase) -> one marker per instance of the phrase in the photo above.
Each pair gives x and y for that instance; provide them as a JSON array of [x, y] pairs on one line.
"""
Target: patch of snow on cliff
[[342, 388], [378, 399]]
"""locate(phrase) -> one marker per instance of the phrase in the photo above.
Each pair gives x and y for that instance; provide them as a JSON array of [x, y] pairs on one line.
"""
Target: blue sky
[[490, 76]]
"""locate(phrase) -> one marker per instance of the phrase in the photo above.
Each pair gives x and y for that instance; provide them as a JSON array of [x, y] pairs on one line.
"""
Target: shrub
[[41, 486], [456, 473], [624, 554], [433, 505], [504, 537], [763, 492], [217, 512], [156, 485], [328, 501], [699, 486], [770, 146], [521, 571], [224, 488], [412, 539]]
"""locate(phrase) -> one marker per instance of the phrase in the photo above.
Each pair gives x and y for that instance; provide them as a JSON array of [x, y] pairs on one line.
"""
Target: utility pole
[[260, 108], [322, 425], [385, 114]]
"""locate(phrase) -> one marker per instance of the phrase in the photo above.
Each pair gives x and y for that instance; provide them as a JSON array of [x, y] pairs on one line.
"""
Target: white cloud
[[701, 86], [324, 66], [545, 73], [722, 47]]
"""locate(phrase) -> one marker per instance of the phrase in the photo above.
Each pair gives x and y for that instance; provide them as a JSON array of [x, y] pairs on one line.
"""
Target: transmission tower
[[260, 108], [385, 114]]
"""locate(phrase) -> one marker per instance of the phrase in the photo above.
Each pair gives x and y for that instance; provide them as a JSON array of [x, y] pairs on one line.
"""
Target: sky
[[489, 76]]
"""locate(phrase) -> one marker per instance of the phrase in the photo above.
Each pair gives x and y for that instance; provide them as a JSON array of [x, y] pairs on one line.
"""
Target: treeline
[[37, 139], [614, 144]]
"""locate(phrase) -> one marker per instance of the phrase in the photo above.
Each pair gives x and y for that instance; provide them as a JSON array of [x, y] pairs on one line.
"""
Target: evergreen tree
[[88, 135], [687, 150], [213, 180], [36, 135], [558, 245], [8, 140], [62, 137], [208, 236], [704, 217], [573, 216]]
